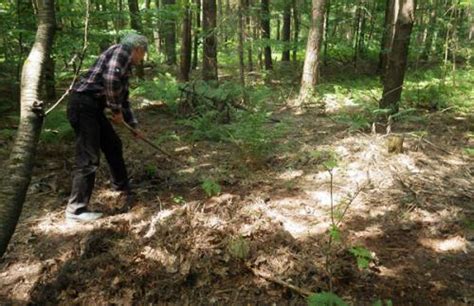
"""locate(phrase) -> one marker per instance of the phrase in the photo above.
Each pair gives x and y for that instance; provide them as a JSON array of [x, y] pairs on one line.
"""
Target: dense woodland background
[[264, 105]]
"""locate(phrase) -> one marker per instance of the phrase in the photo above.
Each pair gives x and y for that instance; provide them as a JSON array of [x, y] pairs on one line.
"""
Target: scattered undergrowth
[[269, 206]]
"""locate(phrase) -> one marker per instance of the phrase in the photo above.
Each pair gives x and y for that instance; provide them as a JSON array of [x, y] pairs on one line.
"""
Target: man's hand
[[117, 118], [138, 133]]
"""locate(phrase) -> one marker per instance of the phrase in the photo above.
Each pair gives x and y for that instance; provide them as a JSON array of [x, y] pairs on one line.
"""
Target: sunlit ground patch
[[452, 244]]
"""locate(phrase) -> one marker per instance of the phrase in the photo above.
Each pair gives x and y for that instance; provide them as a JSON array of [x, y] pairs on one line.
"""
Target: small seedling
[[362, 255], [179, 200], [325, 299], [210, 187], [238, 247]]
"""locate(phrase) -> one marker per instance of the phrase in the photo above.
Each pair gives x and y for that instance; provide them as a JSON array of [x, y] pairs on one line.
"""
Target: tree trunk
[[185, 63], [169, 32], [209, 62], [357, 32], [157, 31], [296, 29], [397, 58], [197, 33], [247, 34], [391, 15], [286, 33], [326, 31], [136, 24], [265, 17], [241, 43], [311, 62], [20, 164]]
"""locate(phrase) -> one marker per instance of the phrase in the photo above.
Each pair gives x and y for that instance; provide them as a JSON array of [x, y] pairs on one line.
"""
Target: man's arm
[[115, 70], [128, 114]]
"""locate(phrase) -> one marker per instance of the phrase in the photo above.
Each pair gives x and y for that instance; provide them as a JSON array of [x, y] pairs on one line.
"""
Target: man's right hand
[[117, 118]]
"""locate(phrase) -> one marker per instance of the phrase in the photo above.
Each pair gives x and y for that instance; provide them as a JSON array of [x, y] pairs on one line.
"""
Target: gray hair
[[135, 40]]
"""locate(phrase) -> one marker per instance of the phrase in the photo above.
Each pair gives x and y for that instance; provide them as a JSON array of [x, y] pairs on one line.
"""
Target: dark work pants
[[94, 133]]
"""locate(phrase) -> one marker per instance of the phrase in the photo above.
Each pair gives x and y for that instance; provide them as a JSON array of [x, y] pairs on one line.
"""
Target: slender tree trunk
[[186, 40], [296, 29], [169, 32], [357, 32], [398, 57], [311, 62], [197, 33], [157, 31], [286, 33], [265, 17], [391, 15], [136, 24], [326, 31], [209, 63], [247, 35], [20, 164], [241, 42]]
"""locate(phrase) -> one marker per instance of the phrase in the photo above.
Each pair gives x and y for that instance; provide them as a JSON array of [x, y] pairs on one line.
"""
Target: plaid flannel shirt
[[109, 77]]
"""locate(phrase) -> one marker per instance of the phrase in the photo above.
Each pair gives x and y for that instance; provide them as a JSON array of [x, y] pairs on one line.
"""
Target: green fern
[[362, 255], [325, 299], [210, 187]]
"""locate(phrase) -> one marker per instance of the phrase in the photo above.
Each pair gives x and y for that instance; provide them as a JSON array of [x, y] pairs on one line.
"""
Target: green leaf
[[335, 233], [210, 187], [325, 299], [362, 255]]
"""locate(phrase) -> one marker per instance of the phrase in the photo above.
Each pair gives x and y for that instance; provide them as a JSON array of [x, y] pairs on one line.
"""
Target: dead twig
[[268, 277], [436, 147]]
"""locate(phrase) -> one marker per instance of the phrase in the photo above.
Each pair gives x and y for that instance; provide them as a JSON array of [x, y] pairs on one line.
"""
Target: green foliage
[[325, 299], [335, 233], [210, 187], [205, 127], [238, 247], [179, 199], [383, 303], [151, 170], [252, 136], [163, 88], [362, 255], [56, 128], [7, 134], [469, 151]]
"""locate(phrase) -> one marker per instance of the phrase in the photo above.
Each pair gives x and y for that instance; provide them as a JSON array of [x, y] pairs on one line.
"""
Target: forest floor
[[266, 229]]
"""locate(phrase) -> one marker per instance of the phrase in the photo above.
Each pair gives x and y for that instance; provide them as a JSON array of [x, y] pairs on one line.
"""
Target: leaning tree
[[20, 164]]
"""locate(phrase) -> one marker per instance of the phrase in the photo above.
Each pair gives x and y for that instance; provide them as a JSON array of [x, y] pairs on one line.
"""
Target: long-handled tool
[[154, 146]]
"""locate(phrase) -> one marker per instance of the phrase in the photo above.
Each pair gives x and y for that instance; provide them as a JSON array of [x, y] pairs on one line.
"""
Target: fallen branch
[[268, 277]]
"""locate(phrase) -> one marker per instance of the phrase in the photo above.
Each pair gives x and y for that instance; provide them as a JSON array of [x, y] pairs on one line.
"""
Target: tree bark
[[312, 58], [296, 29], [209, 63], [241, 43], [391, 15], [20, 164], [325, 33], [265, 20], [197, 33], [169, 33], [398, 57], [286, 33], [157, 31], [247, 33], [185, 63], [136, 24]]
